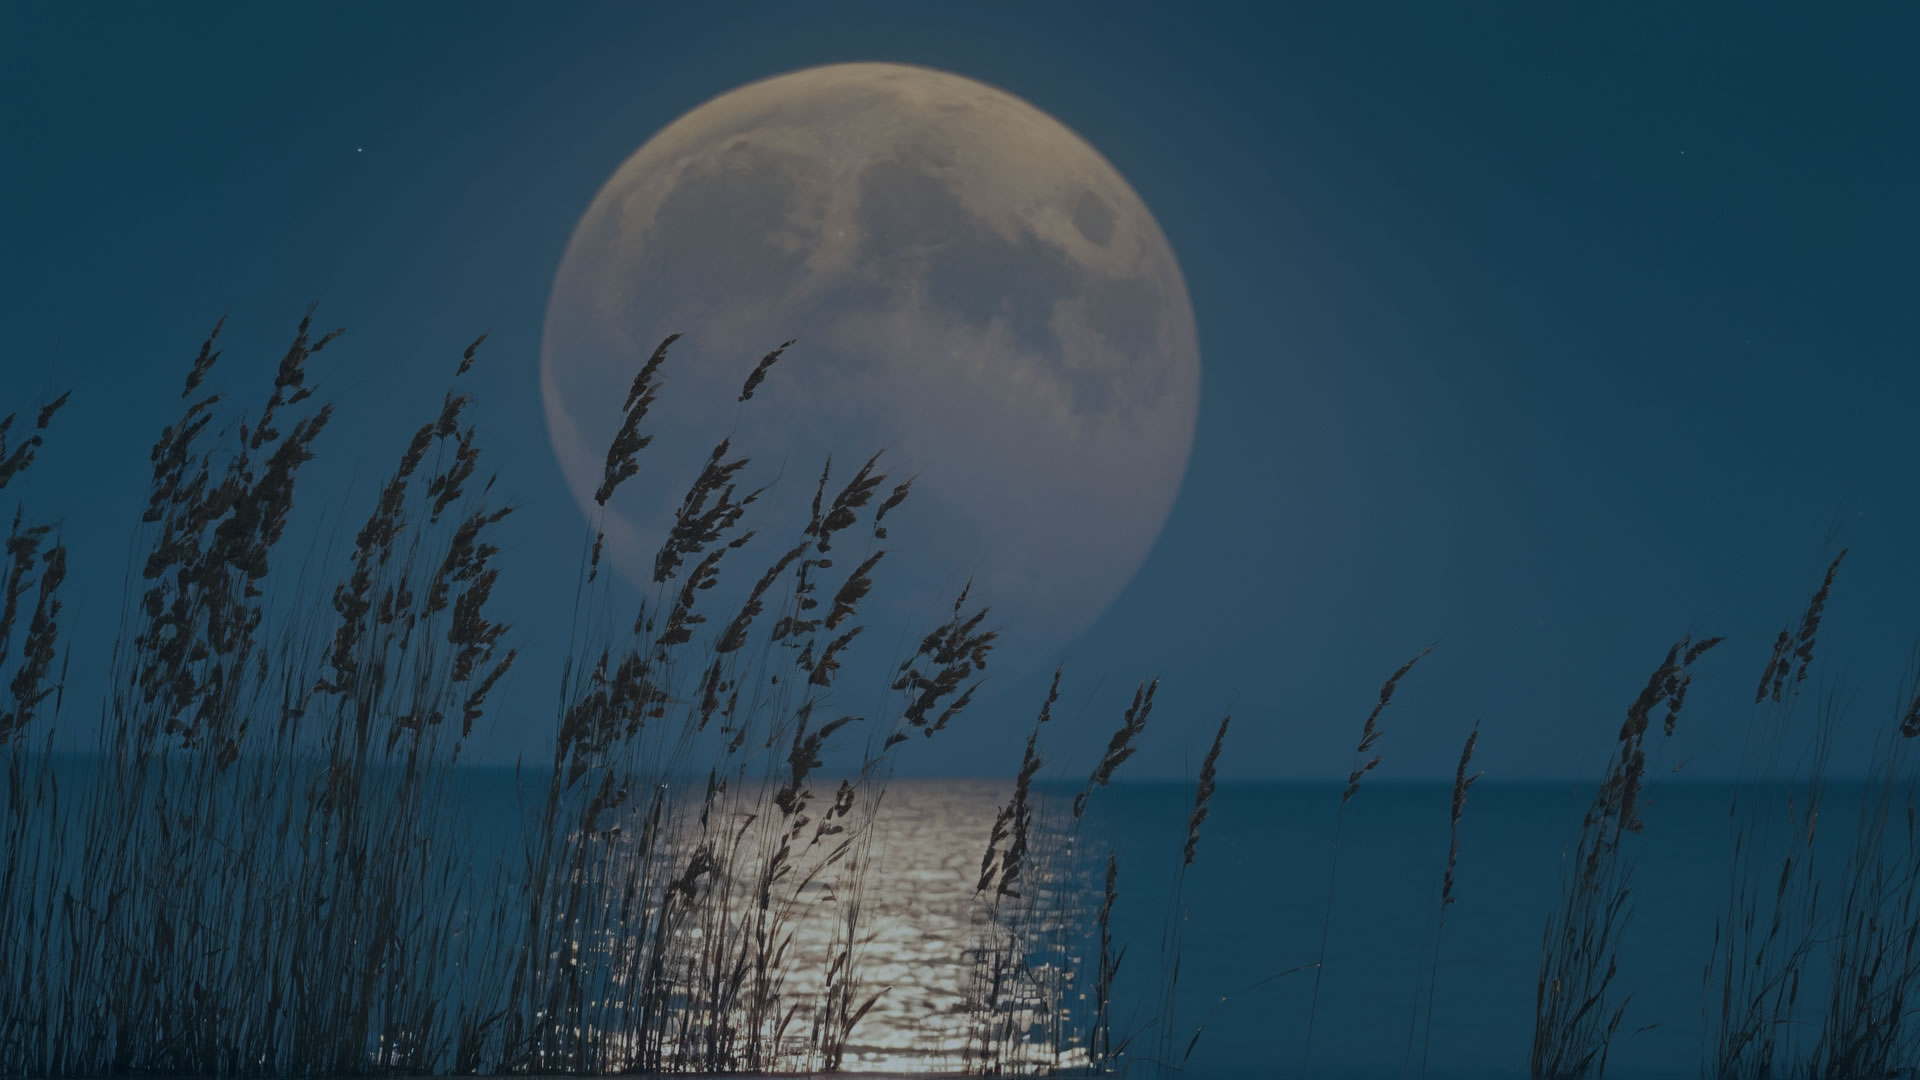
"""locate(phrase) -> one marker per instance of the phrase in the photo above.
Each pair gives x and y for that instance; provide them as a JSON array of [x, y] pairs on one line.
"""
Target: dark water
[[1253, 905], [1256, 896]]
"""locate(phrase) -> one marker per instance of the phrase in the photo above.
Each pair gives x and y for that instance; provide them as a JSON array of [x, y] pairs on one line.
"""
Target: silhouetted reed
[[1576, 1009], [1370, 733], [1456, 810], [1784, 945], [1176, 920]]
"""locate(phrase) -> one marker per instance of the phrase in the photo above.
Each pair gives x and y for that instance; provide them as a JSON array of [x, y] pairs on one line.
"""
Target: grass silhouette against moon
[[265, 871]]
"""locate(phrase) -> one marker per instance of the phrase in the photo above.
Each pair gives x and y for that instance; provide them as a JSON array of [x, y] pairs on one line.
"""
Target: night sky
[[1546, 335]]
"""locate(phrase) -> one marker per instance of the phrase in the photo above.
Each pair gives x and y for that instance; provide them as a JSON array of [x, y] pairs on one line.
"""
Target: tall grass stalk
[[1174, 931], [1362, 765], [1457, 808]]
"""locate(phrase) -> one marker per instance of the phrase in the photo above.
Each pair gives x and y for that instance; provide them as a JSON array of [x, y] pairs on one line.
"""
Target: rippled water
[[923, 919], [1253, 905]]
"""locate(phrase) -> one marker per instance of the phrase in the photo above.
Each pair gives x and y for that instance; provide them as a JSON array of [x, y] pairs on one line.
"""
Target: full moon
[[974, 293]]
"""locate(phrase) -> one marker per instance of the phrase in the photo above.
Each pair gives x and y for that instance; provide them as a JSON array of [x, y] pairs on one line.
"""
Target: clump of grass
[[1766, 939], [266, 876], [1855, 951], [1576, 1012], [32, 575], [1866, 1024], [156, 957], [700, 900]]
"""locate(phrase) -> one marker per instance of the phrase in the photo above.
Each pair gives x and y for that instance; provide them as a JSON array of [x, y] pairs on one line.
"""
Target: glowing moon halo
[[974, 290]]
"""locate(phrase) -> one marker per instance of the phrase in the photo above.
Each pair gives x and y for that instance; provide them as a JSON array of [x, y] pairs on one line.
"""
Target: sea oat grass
[[1365, 760], [267, 877], [1577, 1009]]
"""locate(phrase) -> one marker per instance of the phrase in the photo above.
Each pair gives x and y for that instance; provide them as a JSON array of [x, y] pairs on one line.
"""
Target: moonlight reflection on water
[[920, 919], [920, 924], [919, 927]]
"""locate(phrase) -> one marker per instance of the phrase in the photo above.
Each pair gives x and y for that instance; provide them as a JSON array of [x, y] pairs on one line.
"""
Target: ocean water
[[1255, 900], [1266, 878]]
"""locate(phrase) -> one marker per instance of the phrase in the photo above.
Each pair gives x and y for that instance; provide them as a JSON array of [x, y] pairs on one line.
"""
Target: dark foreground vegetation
[[265, 876]]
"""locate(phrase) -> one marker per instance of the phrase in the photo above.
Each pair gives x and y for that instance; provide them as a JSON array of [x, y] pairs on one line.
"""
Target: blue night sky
[[1548, 335]]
